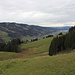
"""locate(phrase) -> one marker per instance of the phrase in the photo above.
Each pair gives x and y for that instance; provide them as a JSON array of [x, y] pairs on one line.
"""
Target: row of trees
[[49, 36], [36, 39], [12, 46], [63, 42]]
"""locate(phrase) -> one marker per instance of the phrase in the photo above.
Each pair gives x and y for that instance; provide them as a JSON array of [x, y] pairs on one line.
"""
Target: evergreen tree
[[63, 42]]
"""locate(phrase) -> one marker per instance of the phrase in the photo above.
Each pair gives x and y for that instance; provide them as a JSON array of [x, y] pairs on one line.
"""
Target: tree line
[[63, 42], [11, 46]]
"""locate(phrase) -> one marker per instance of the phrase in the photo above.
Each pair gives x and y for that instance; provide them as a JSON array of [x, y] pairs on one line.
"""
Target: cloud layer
[[39, 12]]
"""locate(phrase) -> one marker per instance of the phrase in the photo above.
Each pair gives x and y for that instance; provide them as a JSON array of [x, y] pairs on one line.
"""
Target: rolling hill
[[30, 50], [16, 30], [34, 60], [63, 64]]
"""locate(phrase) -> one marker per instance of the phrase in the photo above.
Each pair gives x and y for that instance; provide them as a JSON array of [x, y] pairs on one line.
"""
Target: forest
[[11, 46], [63, 42]]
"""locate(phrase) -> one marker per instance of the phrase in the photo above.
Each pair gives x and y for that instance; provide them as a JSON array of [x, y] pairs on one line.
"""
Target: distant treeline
[[11, 46], [63, 42]]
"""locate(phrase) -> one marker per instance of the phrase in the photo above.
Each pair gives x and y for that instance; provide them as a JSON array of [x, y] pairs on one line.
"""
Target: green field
[[33, 49], [38, 48], [7, 55], [62, 64], [34, 60]]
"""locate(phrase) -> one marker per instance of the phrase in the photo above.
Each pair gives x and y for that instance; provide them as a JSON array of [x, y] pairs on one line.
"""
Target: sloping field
[[34, 60], [33, 49], [38, 48], [62, 64], [7, 55]]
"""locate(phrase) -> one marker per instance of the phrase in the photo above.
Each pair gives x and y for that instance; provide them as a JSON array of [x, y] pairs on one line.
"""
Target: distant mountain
[[15, 30]]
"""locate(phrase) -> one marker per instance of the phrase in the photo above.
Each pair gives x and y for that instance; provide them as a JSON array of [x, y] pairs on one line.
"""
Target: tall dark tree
[[54, 46]]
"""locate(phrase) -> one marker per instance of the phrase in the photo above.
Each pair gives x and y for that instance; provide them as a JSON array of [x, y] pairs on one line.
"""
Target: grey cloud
[[37, 11]]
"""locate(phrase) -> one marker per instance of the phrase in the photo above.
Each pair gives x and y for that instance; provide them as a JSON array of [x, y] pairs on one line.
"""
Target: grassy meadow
[[37, 48], [62, 64], [34, 60], [33, 49], [7, 55]]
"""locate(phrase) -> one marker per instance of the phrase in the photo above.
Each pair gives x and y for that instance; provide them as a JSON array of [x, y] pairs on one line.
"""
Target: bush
[[49, 36], [60, 33]]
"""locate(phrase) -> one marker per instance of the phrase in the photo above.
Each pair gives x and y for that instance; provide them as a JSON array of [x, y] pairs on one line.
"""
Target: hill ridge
[[18, 30]]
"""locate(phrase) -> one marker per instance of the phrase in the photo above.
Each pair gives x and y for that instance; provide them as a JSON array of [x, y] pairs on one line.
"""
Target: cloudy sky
[[38, 12]]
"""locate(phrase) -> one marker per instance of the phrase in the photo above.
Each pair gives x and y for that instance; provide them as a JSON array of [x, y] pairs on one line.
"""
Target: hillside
[[34, 60], [30, 50], [15, 30], [18, 30], [65, 42], [63, 64], [35, 49]]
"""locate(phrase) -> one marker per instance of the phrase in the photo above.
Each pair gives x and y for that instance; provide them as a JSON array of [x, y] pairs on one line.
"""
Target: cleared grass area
[[38, 48], [7, 55], [34, 49], [62, 64], [36, 61]]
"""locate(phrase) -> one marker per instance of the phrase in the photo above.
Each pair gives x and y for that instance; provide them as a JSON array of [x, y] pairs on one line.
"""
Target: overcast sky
[[38, 12]]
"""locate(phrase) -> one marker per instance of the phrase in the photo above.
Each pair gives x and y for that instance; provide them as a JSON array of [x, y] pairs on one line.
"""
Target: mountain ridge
[[16, 30]]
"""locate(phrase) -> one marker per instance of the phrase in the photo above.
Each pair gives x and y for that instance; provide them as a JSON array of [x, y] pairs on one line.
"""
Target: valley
[[25, 31], [35, 60]]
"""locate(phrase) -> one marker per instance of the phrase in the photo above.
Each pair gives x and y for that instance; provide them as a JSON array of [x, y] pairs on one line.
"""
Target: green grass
[[38, 48], [7, 55], [62, 64], [37, 61]]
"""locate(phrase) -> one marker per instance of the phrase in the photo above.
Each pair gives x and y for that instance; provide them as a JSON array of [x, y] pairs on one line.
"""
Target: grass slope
[[62, 64], [41, 64], [38, 48], [7, 55]]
